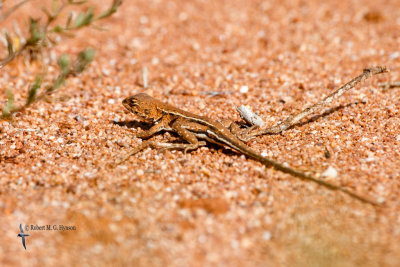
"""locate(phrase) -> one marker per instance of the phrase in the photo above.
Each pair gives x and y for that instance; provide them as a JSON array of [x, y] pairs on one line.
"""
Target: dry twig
[[294, 119]]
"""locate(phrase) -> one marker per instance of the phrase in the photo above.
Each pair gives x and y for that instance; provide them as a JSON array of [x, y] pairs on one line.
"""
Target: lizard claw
[[194, 146], [190, 147]]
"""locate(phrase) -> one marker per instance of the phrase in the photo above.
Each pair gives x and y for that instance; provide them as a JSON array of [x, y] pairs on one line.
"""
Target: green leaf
[[33, 90], [64, 63], [84, 58], [113, 8], [68, 23], [9, 107], [57, 83], [55, 6], [47, 12], [10, 46], [36, 35], [58, 29], [84, 19], [71, 2], [79, 20]]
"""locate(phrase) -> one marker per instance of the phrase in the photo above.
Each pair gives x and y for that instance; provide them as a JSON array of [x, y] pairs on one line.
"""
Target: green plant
[[40, 37]]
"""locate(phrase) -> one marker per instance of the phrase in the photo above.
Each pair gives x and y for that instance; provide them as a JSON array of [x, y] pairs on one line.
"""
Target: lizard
[[191, 127]]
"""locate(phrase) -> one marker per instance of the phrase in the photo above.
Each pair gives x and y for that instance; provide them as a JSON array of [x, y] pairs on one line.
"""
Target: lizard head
[[144, 106]]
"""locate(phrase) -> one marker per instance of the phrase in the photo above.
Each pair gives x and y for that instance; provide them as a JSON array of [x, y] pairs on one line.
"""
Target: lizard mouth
[[132, 109], [126, 104]]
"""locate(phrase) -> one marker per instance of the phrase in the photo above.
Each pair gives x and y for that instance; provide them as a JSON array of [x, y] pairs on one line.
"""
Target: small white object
[[330, 173], [155, 61], [249, 116], [370, 159], [202, 239], [144, 77], [286, 164], [111, 101], [244, 89], [143, 20], [183, 16], [266, 235], [364, 139], [394, 55], [106, 72], [234, 244]]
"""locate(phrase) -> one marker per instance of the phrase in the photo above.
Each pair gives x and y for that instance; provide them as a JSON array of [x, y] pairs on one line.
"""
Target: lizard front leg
[[163, 124]]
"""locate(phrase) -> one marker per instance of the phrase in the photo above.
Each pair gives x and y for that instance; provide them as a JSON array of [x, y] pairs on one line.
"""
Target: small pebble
[[244, 89], [78, 118], [266, 235], [330, 173]]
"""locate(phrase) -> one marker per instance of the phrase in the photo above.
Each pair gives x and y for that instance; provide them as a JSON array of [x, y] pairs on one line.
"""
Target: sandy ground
[[209, 207]]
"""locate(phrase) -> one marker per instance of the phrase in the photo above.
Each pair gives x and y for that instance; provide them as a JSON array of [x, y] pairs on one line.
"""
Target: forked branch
[[294, 119]]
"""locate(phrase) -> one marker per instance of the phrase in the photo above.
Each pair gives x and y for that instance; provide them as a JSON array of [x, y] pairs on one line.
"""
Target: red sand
[[210, 207]]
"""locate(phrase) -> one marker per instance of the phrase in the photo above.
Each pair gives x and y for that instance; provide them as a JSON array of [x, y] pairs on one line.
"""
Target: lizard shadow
[[133, 124]]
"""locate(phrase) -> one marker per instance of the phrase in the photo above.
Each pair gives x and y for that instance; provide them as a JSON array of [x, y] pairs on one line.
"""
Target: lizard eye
[[133, 102], [147, 111]]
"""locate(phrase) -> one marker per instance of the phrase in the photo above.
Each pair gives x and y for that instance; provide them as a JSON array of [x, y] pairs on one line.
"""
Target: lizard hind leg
[[187, 131], [234, 128]]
